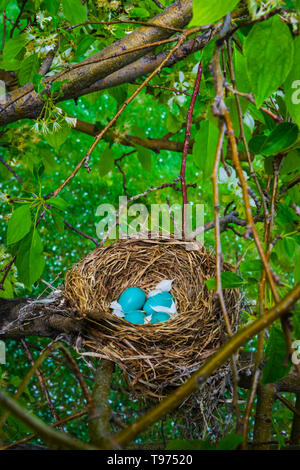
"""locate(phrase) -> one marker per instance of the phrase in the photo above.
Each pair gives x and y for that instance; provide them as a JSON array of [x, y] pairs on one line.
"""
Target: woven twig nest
[[157, 356]]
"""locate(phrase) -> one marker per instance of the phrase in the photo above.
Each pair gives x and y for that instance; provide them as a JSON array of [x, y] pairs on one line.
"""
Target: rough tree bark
[[86, 77], [46, 317]]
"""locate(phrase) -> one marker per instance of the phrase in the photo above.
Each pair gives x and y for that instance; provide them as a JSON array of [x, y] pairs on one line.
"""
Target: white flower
[[71, 121], [29, 34], [45, 128], [225, 179], [42, 20], [56, 126], [195, 68], [36, 128]]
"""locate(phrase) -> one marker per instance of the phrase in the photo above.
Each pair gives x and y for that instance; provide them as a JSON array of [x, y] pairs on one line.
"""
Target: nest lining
[[156, 356]]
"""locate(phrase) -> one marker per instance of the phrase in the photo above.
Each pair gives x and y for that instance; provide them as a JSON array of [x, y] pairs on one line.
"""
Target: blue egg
[[159, 316], [136, 317], [131, 299], [164, 299]]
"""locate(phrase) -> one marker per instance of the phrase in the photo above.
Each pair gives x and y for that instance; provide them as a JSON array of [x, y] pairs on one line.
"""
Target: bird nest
[[154, 357]]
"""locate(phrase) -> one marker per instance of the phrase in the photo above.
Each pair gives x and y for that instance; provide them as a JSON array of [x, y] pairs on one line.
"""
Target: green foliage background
[[44, 159]]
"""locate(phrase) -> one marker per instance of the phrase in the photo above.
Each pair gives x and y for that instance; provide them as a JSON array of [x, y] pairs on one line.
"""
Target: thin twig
[[11, 170], [7, 269], [173, 90], [108, 23], [52, 425], [42, 383], [186, 147], [288, 404], [4, 32], [219, 290], [18, 18], [242, 130], [85, 159], [220, 109], [48, 434], [88, 237], [158, 4]]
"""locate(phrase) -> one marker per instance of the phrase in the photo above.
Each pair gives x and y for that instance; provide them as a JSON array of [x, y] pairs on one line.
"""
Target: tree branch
[[97, 67]]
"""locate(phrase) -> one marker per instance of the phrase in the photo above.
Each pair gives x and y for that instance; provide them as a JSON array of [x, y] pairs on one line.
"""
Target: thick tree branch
[[25, 102], [30, 317], [263, 418], [99, 423]]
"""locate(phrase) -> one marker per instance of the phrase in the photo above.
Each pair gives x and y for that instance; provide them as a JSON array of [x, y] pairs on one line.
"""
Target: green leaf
[[119, 93], [139, 13], [58, 220], [207, 12], [56, 139], [240, 69], [204, 147], [281, 138], [173, 123], [291, 162], [231, 105], [37, 81], [297, 268], [106, 163], [229, 280], [269, 56], [30, 261], [52, 7], [8, 291], [292, 85], [252, 266], [58, 202], [182, 444], [84, 44], [19, 224], [274, 368], [14, 46], [29, 68], [3, 4], [74, 11], [144, 156], [256, 144], [57, 86], [296, 322], [230, 442]]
